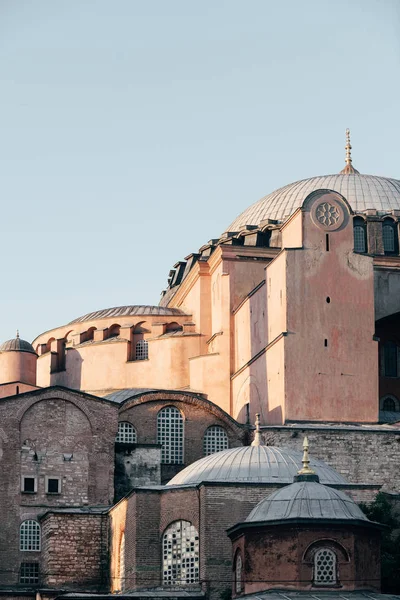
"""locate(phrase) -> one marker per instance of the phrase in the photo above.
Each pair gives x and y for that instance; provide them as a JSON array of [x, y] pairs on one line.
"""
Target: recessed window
[[28, 484], [390, 359], [360, 235], [29, 573], [215, 439], [325, 567], [238, 573], [325, 343], [170, 435], [389, 403], [142, 350], [53, 485], [29, 536], [180, 554], [126, 433], [328, 300], [390, 237]]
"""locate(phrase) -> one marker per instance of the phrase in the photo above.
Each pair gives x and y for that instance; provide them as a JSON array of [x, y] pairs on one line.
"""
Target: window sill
[[53, 493], [138, 360], [27, 492]]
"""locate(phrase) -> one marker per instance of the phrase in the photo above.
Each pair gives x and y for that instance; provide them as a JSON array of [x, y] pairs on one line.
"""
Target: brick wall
[[136, 465], [360, 454], [75, 551]]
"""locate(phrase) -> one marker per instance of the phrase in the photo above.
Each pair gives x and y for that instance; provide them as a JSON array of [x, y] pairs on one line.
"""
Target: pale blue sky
[[132, 132]]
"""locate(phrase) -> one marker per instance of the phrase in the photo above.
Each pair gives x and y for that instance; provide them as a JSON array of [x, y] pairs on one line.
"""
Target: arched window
[[390, 359], [122, 562], [215, 439], [170, 435], [142, 350], [238, 573], [360, 235], [390, 237], [114, 331], [389, 404], [29, 536], [325, 567], [180, 547], [126, 433]]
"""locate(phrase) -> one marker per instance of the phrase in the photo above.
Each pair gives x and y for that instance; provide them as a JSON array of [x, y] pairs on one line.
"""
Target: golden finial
[[306, 470], [257, 435], [349, 169], [17, 334]]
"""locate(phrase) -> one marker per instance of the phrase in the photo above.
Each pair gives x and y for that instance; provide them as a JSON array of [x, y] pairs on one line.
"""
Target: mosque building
[[128, 456]]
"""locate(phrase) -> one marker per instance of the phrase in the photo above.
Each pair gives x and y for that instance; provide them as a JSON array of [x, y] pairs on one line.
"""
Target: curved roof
[[129, 311], [252, 464], [306, 500], [361, 191], [17, 345]]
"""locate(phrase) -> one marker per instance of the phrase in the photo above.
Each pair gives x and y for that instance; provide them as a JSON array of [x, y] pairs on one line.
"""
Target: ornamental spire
[[349, 169], [257, 435], [17, 334], [306, 470]]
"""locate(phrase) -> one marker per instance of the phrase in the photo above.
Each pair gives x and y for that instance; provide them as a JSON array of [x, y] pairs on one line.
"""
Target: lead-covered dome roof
[[361, 191], [306, 500], [129, 311], [252, 464], [17, 345]]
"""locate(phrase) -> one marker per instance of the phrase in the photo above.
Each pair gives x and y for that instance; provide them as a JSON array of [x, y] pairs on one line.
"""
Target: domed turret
[[17, 361]]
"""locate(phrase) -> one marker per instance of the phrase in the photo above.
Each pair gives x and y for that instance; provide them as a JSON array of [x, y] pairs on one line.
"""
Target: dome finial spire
[[349, 169], [257, 435], [306, 473], [17, 334]]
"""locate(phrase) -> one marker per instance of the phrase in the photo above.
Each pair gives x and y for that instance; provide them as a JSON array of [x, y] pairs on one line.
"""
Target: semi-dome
[[129, 311], [17, 345], [306, 500], [252, 464], [361, 191]]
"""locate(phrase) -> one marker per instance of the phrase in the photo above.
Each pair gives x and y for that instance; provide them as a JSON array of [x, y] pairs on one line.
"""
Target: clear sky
[[132, 132]]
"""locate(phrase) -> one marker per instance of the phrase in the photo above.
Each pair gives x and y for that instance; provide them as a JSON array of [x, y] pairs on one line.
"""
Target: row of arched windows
[[390, 236], [170, 434]]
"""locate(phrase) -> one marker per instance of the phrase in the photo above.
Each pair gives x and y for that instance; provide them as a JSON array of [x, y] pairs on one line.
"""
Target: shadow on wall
[[71, 375]]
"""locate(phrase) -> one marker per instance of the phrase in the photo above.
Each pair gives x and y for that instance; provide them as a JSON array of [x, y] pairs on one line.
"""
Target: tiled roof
[[130, 311], [361, 191], [17, 345]]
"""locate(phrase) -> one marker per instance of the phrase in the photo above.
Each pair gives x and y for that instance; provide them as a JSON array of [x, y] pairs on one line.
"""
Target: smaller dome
[[17, 345], [306, 500], [252, 464]]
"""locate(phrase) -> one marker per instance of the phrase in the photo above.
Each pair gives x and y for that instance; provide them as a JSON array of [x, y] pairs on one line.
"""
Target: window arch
[[325, 567], [238, 573], [29, 536], [170, 435], [114, 331], [142, 350], [390, 237], [126, 433], [215, 439], [180, 548], [122, 562], [389, 403], [390, 359], [360, 235]]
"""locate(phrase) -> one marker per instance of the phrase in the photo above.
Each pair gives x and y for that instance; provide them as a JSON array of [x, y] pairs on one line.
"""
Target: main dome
[[253, 464], [361, 191]]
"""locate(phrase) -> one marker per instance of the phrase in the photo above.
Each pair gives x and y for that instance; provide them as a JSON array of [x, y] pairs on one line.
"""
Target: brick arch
[[176, 398], [330, 543], [54, 395]]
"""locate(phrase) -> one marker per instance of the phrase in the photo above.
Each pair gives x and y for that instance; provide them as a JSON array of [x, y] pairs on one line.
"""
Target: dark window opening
[[360, 235], [328, 299], [389, 404], [327, 242], [53, 486], [390, 359], [326, 343], [28, 485]]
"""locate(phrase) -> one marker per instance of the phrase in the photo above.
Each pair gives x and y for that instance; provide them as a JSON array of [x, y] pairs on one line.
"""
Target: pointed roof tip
[[349, 169], [17, 336], [258, 441], [306, 469]]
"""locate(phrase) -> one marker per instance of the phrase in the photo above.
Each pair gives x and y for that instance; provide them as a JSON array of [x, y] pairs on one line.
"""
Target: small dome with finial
[[17, 345]]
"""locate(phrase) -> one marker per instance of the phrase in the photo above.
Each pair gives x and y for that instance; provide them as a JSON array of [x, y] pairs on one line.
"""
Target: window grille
[[142, 350], [126, 433], [170, 435], [388, 238], [390, 359], [238, 573], [325, 567], [122, 562], [180, 554], [29, 573], [29, 536], [359, 239], [389, 404], [215, 439]]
